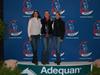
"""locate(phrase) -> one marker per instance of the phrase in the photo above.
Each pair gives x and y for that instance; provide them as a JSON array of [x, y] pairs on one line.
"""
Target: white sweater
[[34, 27]]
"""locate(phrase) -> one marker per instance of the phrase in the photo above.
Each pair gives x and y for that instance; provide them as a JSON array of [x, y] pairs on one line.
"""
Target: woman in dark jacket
[[46, 31], [58, 33]]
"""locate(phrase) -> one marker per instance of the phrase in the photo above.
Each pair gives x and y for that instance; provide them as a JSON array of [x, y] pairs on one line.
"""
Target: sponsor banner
[[82, 29], [54, 70]]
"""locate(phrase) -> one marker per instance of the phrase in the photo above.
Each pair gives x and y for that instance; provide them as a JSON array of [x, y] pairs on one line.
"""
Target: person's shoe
[[47, 63], [58, 63], [44, 63], [35, 62]]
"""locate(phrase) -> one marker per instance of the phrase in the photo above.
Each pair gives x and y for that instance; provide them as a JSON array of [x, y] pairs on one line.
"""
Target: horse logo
[[84, 8], [56, 6], [70, 28], [14, 29], [96, 28], [27, 7], [84, 49], [27, 49]]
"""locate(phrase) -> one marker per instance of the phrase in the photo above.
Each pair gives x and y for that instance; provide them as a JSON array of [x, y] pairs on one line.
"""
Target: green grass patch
[[95, 71]]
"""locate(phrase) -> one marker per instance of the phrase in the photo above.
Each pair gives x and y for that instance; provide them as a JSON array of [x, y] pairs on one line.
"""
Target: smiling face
[[36, 14], [47, 15], [58, 15]]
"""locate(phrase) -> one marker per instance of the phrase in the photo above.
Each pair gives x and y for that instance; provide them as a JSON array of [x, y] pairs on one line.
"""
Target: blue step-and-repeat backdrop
[[82, 22]]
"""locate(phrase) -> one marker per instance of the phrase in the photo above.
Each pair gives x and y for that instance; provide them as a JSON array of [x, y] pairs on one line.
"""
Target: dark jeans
[[34, 44], [57, 43], [46, 48]]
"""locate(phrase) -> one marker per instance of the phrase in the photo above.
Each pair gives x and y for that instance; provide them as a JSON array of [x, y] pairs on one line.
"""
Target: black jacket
[[48, 25], [59, 28]]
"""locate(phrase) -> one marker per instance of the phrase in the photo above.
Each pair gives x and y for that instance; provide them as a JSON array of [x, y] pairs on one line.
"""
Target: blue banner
[[82, 22]]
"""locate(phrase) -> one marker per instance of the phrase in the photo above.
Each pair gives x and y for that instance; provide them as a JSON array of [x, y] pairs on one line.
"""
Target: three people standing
[[47, 28]]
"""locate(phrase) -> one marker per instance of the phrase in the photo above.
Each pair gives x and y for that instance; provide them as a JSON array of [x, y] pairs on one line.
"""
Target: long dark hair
[[58, 13], [37, 13], [49, 15]]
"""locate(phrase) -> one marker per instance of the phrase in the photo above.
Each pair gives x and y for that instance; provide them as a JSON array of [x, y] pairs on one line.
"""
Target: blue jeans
[[46, 48], [34, 44], [57, 43]]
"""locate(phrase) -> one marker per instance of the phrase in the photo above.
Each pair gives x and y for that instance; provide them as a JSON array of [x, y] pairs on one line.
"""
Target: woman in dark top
[[46, 31], [58, 33]]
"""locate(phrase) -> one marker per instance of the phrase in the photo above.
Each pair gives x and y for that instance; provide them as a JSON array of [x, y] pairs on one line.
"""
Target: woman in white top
[[34, 31]]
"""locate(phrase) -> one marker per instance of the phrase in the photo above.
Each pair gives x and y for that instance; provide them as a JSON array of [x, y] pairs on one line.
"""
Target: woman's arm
[[63, 29], [29, 28]]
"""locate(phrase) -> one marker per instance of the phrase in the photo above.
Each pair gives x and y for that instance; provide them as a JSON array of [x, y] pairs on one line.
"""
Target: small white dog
[[11, 63]]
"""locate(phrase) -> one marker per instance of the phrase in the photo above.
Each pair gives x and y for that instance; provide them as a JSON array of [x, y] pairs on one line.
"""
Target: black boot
[[57, 62], [44, 57], [35, 59], [58, 59], [43, 62], [35, 62]]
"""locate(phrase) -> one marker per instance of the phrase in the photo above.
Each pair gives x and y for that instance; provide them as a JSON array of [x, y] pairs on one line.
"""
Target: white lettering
[[61, 71], [43, 70]]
